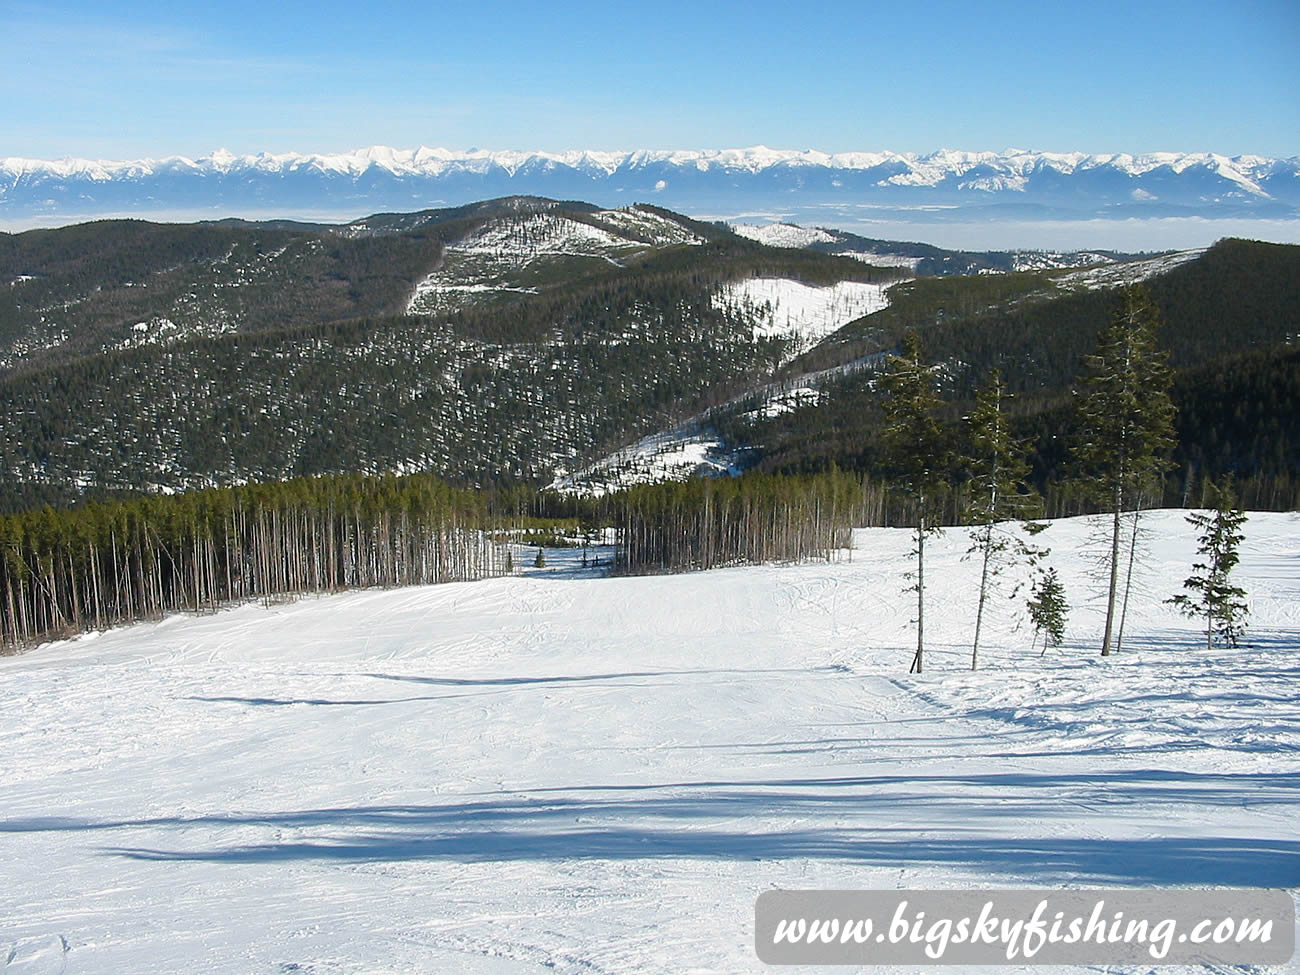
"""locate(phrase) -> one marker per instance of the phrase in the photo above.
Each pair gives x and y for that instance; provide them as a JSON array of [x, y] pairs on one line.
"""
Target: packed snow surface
[[563, 772]]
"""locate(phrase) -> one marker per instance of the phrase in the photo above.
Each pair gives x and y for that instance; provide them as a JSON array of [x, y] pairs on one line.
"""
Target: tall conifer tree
[[1127, 422], [998, 494], [917, 454]]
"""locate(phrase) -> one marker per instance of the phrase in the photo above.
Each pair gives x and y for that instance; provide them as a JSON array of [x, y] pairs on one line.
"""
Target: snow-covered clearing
[[784, 234], [567, 773], [882, 260], [658, 230], [694, 446], [1050, 260], [487, 259], [781, 307], [685, 451]]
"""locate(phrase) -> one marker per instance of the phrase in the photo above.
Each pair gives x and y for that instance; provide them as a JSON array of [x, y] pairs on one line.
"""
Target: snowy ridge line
[[486, 259], [1118, 275], [989, 171]]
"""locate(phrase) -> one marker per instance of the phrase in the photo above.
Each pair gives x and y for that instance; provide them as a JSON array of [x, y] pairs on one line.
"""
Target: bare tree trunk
[[984, 587], [1128, 579], [1114, 580], [918, 660]]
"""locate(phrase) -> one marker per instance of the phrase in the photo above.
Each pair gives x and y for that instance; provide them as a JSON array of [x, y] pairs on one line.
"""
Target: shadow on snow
[[749, 820]]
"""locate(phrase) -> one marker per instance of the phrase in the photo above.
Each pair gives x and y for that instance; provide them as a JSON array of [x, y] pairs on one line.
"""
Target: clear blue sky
[[149, 78]]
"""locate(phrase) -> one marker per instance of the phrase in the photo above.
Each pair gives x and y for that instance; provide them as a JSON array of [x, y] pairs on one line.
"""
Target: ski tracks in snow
[[597, 776]]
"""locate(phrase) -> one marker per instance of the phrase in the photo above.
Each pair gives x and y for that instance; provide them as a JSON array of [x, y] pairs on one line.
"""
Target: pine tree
[[1212, 596], [1048, 609], [540, 561], [998, 474], [918, 455], [1126, 423]]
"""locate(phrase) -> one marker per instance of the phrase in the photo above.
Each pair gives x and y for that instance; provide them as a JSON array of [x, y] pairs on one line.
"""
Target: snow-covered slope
[[780, 307], [503, 254], [1127, 273], [784, 234], [570, 773], [691, 449]]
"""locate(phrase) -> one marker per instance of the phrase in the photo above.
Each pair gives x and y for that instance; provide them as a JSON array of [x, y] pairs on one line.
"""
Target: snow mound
[[35, 956]]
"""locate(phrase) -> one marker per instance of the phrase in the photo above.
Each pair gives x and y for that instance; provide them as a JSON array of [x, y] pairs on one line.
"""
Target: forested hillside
[[582, 338], [1231, 327], [98, 288], [119, 284], [504, 341]]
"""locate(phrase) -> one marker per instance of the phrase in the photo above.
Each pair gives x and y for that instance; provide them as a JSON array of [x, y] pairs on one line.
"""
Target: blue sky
[[110, 80]]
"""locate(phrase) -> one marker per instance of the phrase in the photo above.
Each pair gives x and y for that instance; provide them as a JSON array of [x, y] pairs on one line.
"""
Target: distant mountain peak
[[1055, 185]]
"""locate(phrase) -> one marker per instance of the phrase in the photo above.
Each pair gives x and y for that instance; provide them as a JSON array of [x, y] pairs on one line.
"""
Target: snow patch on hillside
[[1051, 260], [656, 229], [651, 459], [785, 402], [782, 308], [690, 450], [1131, 272], [882, 260], [784, 234], [537, 234], [491, 258], [160, 330]]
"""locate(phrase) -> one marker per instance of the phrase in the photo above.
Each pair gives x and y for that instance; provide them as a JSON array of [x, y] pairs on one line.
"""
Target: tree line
[[705, 523], [67, 571]]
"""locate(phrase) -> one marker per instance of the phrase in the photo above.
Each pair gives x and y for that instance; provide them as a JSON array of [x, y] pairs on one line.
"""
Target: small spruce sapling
[[1210, 593], [1048, 610]]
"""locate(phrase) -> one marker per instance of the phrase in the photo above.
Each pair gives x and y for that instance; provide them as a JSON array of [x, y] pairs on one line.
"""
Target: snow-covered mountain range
[[1013, 184]]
